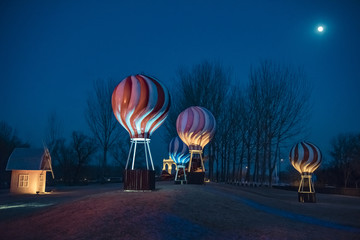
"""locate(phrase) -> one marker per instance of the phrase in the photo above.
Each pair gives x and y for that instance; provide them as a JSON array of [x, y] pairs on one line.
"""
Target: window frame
[[23, 181]]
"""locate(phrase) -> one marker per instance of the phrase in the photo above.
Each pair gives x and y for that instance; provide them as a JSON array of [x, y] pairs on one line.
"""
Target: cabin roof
[[29, 159]]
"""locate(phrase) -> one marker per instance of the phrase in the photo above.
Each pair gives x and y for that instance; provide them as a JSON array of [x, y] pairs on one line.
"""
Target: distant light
[[320, 29]]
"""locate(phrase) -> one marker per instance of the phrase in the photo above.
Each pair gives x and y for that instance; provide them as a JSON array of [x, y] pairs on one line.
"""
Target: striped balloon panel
[[305, 157], [196, 127], [179, 152], [141, 104]]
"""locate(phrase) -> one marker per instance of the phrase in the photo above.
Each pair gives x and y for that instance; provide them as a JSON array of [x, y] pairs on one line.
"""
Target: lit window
[[23, 181]]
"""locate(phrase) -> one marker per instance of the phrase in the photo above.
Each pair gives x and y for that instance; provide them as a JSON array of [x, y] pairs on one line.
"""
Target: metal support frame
[[134, 142], [192, 152], [306, 181], [177, 172]]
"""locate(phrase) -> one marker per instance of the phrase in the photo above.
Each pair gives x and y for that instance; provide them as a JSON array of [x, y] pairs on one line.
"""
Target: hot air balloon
[[196, 127], [140, 103], [305, 158], [179, 153]]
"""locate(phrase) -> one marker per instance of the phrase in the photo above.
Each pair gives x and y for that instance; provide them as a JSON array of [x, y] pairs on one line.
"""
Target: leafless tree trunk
[[120, 152], [101, 120], [234, 116], [64, 157], [8, 142], [346, 156], [251, 126], [206, 85], [84, 147], [54, 131], [280, 96]]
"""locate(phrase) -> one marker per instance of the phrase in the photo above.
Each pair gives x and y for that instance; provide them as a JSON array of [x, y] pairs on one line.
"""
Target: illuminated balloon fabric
[[305, 157], [179, 152], [141, 104], [196, 127]]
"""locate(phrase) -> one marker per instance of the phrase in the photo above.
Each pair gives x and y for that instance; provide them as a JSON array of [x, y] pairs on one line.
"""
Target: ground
[[211, 211]]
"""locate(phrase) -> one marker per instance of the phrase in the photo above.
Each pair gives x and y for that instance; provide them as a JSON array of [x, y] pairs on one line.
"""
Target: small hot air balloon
[[140, 103], [305, 158], [179, 153], [196, 127]]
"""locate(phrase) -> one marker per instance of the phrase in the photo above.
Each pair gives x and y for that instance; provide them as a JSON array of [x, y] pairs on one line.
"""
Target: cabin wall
[[34, 182]]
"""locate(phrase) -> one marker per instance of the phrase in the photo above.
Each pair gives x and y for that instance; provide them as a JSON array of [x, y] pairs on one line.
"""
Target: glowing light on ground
[[2, 207]]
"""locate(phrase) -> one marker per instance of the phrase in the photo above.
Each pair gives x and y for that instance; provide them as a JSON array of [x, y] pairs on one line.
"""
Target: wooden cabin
[[28, 168]]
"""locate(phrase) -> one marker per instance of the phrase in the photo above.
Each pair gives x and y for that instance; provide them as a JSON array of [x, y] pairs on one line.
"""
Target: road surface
[[211, 211]]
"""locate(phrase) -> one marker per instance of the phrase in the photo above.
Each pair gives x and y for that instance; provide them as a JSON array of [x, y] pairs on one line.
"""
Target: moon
[[320, 28]]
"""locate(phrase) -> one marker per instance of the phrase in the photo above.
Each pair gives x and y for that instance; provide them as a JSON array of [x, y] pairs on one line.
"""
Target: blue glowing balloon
[[179, 152]]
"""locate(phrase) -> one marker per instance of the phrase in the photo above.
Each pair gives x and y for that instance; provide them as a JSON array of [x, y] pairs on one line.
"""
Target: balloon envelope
[[305, 157], [196, 127], [141, 104], [178, 151]]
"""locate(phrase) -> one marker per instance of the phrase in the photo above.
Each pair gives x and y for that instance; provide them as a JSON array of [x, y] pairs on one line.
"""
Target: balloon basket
[[198, 162], [306, 191], [139, 180], [196, 178], [307, 197]]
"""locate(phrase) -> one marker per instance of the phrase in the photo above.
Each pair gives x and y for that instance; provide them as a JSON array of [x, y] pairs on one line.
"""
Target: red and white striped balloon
[[305, 157], [196, 127], [141, 104]]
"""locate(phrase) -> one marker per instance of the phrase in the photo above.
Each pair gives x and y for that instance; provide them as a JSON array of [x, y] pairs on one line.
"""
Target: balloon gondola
[[140, 103], [196, 127], [305, 158]]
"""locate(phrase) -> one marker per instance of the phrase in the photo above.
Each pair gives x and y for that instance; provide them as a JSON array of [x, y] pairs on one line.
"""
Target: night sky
[[52, 51]]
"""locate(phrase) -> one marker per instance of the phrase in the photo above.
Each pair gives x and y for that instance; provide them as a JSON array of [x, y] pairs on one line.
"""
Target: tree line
[[257, 121], [344, 168], [72, 159], [254, 121]]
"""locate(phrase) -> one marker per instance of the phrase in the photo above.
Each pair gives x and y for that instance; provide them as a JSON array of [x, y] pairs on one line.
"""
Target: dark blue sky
[[52, 51]]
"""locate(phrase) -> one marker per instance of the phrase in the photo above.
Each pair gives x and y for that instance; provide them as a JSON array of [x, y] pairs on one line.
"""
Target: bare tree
[[83, 147], [101, 120], [119, 152], [54, 131], [280, 97], [238, 121], [206, 85], [346, 156], [253, 124], [64, 159], [8, 141]]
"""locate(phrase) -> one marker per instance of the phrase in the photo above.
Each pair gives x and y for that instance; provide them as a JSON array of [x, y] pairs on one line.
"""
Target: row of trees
[[254, 122], [344, 169], [72, 159], [8, 142]]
